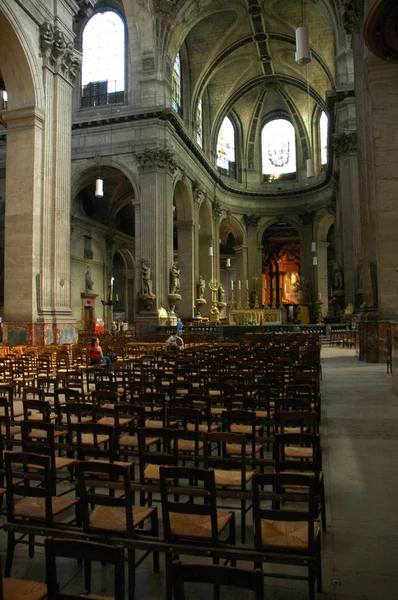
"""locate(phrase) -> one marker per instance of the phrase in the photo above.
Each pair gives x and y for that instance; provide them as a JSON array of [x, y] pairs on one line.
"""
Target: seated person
[[175, 342], [96, 355]]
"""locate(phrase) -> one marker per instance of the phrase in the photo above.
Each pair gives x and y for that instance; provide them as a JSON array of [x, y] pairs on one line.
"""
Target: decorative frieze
[[217, 210], [157, 158], [199, 192], [345, 143], [251, 220], [58, 54]]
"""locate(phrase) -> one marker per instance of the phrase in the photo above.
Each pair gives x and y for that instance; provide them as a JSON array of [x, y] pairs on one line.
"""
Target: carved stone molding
[[199, 193], [217, 210], [351, 12], [345, 143], [148, 61], [154, 158], [307, 217], [58, 54], [165, 7], [251, 220]]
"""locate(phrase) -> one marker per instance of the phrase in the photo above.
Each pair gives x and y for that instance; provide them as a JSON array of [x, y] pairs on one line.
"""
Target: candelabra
[[214, 311], [110, 302]]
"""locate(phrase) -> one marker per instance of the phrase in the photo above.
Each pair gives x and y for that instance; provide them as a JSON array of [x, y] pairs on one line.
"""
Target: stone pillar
[[187, 266], [156, 167], [322, 284], [345, 147], [37, 217], [241, 268]]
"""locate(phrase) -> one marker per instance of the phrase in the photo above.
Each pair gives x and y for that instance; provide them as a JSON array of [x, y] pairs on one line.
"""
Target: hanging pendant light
[[99, 188], [303, 50], [310, 167]]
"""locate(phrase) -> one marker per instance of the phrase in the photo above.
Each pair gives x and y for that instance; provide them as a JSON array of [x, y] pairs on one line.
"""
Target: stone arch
[[21, 71]]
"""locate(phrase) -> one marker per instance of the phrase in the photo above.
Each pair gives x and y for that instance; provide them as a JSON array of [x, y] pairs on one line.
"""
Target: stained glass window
[[323, 127], [103, 68], [278, 145], [199, 123], [226, 144], [176, 93]]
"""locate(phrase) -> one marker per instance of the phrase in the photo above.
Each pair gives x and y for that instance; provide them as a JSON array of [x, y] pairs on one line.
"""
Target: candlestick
[[232, 285], [239, 285]]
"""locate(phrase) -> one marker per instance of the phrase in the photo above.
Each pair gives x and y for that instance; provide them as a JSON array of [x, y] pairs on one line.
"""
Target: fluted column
[[157, 167]]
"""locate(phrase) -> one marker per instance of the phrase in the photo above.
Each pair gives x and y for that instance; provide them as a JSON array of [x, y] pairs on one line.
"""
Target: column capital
[[153, 159], [59, 56], [199, 193], [26, 116], [251, 221], [345, 143]]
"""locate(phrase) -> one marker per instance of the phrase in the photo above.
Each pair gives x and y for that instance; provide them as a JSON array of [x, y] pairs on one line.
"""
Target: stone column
[[187, 266], [157, 167], [37, 221], [322, 284], [345, 147]]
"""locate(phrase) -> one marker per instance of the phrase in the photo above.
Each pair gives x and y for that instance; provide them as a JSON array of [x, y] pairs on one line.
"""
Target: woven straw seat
[[298, 452], [18, 589], [111, 421], [231, 478], [197, 526], [237, 449], [39, 417], [34, 508], [41, 434], [247, 429], [13, 430], [132, 440], [203, 427], [60, 463], [188, 445], [74, 419], [113, 518], [287, 534], [152, 472], [88, 439]]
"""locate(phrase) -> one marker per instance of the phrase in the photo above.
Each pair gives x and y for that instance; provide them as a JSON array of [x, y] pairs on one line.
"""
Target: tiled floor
[[360, 450]]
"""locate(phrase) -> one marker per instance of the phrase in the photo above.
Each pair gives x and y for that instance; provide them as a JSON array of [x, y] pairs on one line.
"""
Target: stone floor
[[360, 449]]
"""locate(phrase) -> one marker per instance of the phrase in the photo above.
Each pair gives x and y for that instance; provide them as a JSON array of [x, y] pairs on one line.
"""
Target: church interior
[[230, 163]]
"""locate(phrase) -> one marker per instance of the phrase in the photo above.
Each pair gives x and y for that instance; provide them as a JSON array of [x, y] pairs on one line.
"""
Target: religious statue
[[146, 278], [88, 282], [337, 278], [221, 293], [175, 279], [303, 288], [201, 287]]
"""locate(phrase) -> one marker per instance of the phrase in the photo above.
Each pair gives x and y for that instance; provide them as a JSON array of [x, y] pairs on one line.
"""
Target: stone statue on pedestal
[[146, 278], [201, 287], [175, 279]]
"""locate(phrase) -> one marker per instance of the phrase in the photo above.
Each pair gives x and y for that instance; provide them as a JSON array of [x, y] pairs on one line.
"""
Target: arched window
[[323, 134], [176, 91], [278, 147], [226, 148], [199, 123], [103, 70]]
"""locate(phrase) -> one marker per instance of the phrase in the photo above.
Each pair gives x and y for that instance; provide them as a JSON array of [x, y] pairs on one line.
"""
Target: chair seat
[[34, 508], [88, 438], [217, 411], [152, 472], [187, 445], [41, 434], [245, 429], [158, 424], [19, 589], [236, 449], [74, 419], [203, 428], [287, 534], [290, 430], [298, 452], [231, 478], [113, 518], [39, 417], [197, 526], [132, 440], [13, 430], [60, 463], [111, 421]]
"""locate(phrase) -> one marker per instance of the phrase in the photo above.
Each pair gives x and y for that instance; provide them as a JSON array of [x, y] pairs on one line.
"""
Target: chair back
[[86, 551]]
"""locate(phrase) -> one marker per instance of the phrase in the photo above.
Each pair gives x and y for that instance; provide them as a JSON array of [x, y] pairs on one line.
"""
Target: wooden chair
[[216, 575], [108, 515], [286, 525], [29, 478], [244, 421], [229, 472], [84, 551], [302, 453], [21, 589], [195, 521]]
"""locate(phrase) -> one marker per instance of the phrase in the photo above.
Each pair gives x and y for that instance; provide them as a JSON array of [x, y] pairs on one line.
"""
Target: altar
[[255, 316]]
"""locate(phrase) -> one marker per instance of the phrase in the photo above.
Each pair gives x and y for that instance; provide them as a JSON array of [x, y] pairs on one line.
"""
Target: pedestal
[[199, 302], [147, 302], [172, 299]]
